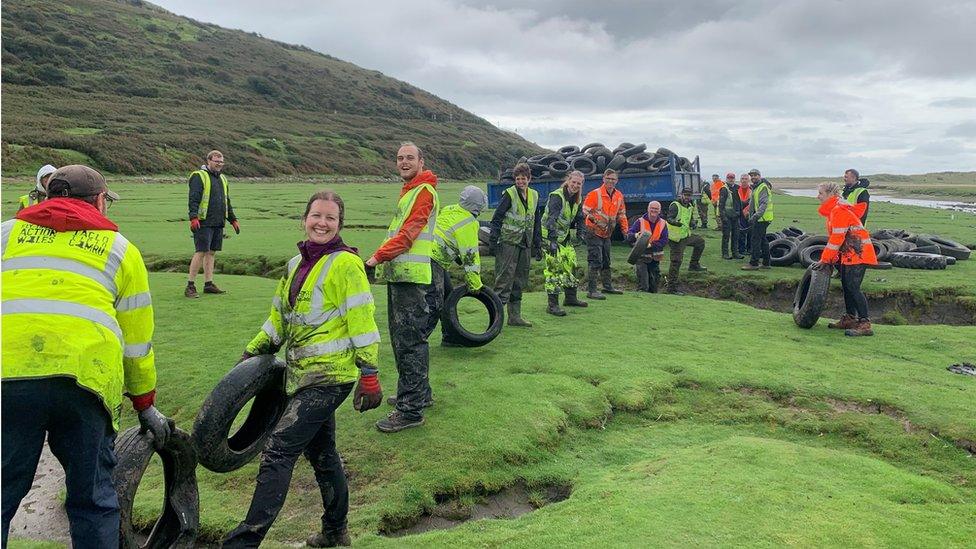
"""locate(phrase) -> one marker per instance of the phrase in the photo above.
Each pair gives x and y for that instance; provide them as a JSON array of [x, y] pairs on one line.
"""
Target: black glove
[[155, 422], [553, 247], [537, 253], [244, 356]]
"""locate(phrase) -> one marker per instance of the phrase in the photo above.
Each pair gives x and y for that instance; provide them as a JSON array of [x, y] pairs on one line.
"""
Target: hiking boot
[[211, 288], [750, 267], [515, 315], [553, 307], [393, 400], [846, 321], [191, 290], [333, 539], [862, 328], [571, 300], [396, 422], [697, 268]]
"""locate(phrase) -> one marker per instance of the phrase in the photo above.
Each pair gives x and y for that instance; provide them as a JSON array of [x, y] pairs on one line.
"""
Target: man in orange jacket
[[603, 209], [714, 194], [849, 246]]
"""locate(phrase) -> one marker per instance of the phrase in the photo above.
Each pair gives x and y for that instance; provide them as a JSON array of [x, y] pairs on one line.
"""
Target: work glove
[[368, 394], [553, 247], [155, 422], [820, 266], [194, 224], [537, 253], [244, 356], [237, 227]]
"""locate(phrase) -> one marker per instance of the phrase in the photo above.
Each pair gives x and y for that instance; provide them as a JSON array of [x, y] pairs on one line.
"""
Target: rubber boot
[[591, 291], [571, 300], [846, 322], [553, 308], [515, 315], [862, 328], [608, 283], [697, 268]]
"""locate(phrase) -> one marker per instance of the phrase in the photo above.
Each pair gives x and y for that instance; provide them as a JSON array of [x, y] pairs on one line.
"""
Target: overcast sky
[[801, 87]]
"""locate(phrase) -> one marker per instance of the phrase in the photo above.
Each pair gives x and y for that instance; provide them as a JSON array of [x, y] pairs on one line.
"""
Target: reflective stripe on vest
[[645, 226], [676, 233], [855, 192], [565, 220], [414, 264], [205, 199], [446, 240], [519, 221], [768, 214], [729, 202]]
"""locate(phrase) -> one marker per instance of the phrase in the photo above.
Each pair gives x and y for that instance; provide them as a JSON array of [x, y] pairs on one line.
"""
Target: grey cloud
[[955, 103], [964, 129]]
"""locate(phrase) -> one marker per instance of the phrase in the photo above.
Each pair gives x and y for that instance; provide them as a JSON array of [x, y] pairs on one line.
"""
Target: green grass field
[[674, 421]]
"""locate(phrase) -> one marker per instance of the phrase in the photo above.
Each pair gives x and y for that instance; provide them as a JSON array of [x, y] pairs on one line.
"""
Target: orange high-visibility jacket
[[745, 192], [841, 219], [716, 189], [603, 211], [656, 230]]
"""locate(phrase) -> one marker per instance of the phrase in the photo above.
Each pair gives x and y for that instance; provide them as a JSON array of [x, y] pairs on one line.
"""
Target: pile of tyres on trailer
[[594, 158], [894, 248]]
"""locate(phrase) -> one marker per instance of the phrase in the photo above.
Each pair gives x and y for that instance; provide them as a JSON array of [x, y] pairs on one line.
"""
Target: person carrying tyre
[[209, 210], [730, 209], [413, 294], [680, 219], [39, 192], [745, 193], [713, 195], [561, 217], [77, 335], [456, 241], [760, 216], [322, 315], [516, 233], [603, 210], [855, 191], [648, 266], [849, 247]]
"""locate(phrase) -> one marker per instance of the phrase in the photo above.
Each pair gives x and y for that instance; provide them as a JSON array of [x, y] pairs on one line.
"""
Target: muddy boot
[[211, 288], [862, 328], [515, 315], [591, 291], [396, 422], [846, 322], [697, 268], [571, 300], [191, 290], [553, 307], [332, 539], [608, 283]]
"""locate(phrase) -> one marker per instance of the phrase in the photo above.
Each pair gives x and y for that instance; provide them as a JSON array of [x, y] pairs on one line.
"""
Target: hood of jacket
[[66, 214]]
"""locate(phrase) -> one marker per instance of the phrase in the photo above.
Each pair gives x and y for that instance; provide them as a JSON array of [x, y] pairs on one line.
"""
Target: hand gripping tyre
[[261, 378], [915, 260], [640, 247], [179, 522], [782, 252], [811, 297], [951, 247], [811, 254], [452, 324]]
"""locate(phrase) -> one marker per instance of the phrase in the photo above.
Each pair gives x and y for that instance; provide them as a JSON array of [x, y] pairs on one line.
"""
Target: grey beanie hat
[[473, 199]]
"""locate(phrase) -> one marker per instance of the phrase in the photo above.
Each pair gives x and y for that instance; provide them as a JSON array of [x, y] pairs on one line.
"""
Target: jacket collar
[[66, 214]]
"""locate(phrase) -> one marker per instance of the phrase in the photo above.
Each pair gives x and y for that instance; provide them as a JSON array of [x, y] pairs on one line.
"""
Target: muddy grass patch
[[452, 510]]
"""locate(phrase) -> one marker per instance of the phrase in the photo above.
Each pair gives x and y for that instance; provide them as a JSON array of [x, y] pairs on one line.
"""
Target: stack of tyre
[[894, 248], [594, 158]]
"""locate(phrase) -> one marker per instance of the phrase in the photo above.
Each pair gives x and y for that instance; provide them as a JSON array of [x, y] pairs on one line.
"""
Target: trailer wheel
[[782, 252], [811, 297], [453, 327], [179, 522], [261, 378]]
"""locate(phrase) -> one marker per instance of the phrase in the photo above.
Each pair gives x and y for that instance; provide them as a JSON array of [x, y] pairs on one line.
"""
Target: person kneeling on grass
[[850, 247], [322, 314]]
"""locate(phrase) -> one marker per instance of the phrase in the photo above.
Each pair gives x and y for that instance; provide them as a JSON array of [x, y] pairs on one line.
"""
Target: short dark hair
[[522, 169], [60, 188], [330, 196], [857, 174]]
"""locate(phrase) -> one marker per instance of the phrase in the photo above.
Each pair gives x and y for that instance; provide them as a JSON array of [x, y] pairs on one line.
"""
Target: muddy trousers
[[597, 252], [677, 252], [307, 427], [855, 303], [511, 272], [760, 246], [80, 435], [730, 236], [412, 312], [648, 275], [703, 213]]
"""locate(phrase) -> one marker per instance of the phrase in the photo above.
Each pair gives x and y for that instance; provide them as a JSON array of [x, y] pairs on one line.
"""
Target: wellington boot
[[697, 268], [553, 307], [571, 299], [846, 322], [608, 283], [863, 328], [591, 291], [335, 539], [515, 315]]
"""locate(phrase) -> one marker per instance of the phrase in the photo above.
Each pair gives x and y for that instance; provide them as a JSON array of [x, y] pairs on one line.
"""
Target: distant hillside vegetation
[[133, 89]]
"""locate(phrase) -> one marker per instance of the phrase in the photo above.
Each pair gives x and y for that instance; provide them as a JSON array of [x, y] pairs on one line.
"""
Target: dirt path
[[41, 514]]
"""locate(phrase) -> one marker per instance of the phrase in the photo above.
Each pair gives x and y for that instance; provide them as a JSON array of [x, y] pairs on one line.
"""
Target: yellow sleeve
[[272, 333], [134, 313], [467, 243], [356, 305]]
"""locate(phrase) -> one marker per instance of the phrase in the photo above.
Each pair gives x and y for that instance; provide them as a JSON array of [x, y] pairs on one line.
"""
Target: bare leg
[[195, 262], [208, 266]]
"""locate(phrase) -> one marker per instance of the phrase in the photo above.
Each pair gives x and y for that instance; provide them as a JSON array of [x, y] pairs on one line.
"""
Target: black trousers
[[80, 434], [855, 303], [760, 246], [745, 236], [413, 313], [597, 251], [446, 288], [307, 426], [648, 275], [730, 235]]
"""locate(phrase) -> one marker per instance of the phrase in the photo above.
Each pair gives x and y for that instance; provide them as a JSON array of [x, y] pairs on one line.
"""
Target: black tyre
[[591, 146], [950, 260], [770, 237], [639, 160], [899, 245], [811, 297], [922, 240], [584, 164], [793, 231], [951, 247], [804, 236], [600, 151], [633, 170], [622, 147], [538, 169], [617, 162], [568, 150], [659, 163], [261, 378], [640, 247], [880, 265], [601, 163], [453, 327], [559, 169], [549, 159], [664, 152], [179, 522], [535, 159], [484, 234], [915, 260], [812, 240], [635, 149], [880, 249], [811, 254], [933, 249], [782, 252]]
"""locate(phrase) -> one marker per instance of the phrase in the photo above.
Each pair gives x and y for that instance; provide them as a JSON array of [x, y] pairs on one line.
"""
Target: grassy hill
[[133, 89]]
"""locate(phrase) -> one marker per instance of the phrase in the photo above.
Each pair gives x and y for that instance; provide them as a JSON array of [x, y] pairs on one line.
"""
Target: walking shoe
[[863, 328], [515, 315], [191, 290], [572, 301], [750, 267], [591, 291], [335, 539], [697, 268], [396, 422], [595, 294], [846, 321], [393, 400], [606, 278], [553, 307], [211, 288]]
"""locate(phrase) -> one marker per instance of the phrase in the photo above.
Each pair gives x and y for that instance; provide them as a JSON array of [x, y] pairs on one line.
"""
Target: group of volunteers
[[78, 316]]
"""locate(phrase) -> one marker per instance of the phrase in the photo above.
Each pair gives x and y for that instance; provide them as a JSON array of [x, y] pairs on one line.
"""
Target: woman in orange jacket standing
[[849, 247]]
